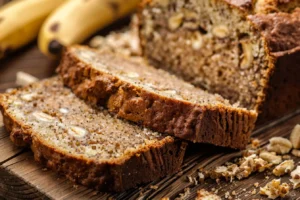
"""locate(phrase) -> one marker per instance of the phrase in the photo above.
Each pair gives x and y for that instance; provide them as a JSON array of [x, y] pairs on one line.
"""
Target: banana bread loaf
[[248, 51], [86, 144], [154, 98]]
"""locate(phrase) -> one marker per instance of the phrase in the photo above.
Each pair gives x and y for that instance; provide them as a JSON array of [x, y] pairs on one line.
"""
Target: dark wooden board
[[22, 178]]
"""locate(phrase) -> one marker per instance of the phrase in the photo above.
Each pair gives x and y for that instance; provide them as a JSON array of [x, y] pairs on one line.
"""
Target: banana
[[20, 21], [76, 20]]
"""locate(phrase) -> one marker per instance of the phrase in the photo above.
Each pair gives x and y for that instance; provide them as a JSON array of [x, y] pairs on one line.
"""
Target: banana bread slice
[[154, 98], [86, 144], [248, 51]]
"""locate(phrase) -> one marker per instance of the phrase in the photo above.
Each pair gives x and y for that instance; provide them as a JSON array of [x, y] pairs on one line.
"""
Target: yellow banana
[[76, 20], [20, 21]]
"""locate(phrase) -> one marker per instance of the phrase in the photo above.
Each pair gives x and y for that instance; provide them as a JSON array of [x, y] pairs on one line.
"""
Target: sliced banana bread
[[245, 50], [154, 98], [86, 144]]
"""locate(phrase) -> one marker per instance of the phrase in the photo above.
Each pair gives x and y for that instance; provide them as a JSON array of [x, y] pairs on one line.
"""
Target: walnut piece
[[197, 41], [285, 167], [255, 143], [296, 177], [185, 194], [220, 31], [205, 195], [251, 164], [280, 145], [270, 157], [175, 21], [274, 189], [295, 137], [296, 152], [247, 56], [201, 177], [126, 41]]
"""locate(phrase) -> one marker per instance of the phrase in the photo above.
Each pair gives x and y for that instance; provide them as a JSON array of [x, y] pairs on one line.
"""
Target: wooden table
[[22, 178]]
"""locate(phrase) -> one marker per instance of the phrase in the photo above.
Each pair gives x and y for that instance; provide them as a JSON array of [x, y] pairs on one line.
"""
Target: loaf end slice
[[86, 144], [155, 99]]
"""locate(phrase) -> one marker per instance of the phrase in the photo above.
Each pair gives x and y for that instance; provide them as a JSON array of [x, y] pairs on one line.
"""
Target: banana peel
[[20, 21]]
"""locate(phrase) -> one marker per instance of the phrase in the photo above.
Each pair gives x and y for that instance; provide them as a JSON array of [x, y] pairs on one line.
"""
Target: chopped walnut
[[274, 189], [256, 184], [285, 167], [175, 21], [190, 179], [126, 42], [286, 157], [247, 167], [255, 143], [154, 187], [220, 31], [253, 192], [296, 152], [220, 171], [295, 137], [261, 165], [270, 157], [250, 152], [252, 164], [206, 195], [280, 145], [227, 195], [195, 181], [296, 177], [186, 193], [228, 172], [201, 177]]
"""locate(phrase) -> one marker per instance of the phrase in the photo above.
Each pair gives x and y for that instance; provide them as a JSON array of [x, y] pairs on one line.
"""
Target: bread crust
[[147, 164], [282, 42], [219, 125], [277, 23], [280, 30], [264, 6]]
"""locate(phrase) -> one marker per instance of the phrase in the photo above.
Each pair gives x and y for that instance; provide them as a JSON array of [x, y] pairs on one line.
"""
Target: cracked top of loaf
[[265, 6], [280, 30]]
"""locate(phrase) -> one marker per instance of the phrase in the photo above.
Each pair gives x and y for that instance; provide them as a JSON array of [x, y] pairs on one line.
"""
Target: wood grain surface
[[22, 178]]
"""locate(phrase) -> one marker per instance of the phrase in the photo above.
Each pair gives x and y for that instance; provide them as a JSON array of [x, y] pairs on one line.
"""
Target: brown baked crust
[[282, 36], [283, 93], [219, 125], [264, 6], [280, 30], [150, 163], [278, 22]]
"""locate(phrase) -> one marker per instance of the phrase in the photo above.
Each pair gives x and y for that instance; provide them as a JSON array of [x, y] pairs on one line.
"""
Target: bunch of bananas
[[56, 23]]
